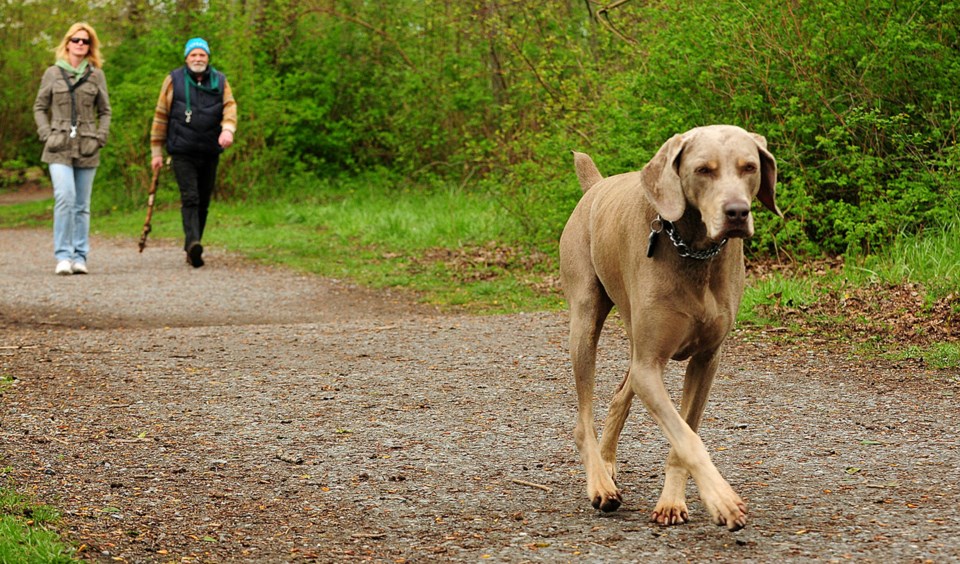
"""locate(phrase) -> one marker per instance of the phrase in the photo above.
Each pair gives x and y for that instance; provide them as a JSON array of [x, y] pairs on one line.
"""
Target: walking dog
[[665, 245]]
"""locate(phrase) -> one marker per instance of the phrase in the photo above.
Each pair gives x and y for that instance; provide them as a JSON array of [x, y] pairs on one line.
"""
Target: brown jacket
[[51, 111]]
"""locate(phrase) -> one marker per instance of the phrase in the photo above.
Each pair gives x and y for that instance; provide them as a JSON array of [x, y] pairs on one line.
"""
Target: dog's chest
[[697, 319], [704, 325]]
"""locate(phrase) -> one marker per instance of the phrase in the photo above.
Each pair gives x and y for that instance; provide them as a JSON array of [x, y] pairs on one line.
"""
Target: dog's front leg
[[687, 454], [671, 509]]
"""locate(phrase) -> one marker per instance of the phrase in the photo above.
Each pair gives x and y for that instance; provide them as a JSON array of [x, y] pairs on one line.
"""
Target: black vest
[[201, 134]]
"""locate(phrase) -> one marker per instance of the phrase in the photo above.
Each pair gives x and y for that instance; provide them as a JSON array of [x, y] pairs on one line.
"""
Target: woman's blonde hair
[[93, 55]]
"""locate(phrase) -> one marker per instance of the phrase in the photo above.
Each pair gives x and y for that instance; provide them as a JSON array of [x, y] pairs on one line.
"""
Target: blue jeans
[[71, 211]]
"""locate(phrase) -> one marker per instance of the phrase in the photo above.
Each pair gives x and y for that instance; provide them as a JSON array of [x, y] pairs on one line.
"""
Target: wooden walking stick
[[150, 199]]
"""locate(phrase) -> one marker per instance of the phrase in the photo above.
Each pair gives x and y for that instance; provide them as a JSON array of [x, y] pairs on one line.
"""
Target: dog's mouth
[[735, 229], [736, 234]]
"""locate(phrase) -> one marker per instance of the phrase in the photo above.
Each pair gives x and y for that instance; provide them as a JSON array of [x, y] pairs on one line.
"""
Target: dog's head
[[718, 170]]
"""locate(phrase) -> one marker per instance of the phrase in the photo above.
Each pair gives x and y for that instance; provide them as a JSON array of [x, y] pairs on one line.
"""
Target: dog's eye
[[749, 168], [703, 170]]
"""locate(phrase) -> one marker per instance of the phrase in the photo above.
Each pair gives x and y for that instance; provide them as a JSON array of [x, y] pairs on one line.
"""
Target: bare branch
[[603, 16], [348, 18]]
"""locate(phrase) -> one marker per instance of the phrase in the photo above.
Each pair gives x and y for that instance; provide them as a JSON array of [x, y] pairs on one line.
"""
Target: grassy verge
[[451, 247], [931, 259], [24, 536], [903, 303]]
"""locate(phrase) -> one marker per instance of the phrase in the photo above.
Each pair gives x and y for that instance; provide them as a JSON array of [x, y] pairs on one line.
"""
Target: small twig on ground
[[368, 535], [531, 484]]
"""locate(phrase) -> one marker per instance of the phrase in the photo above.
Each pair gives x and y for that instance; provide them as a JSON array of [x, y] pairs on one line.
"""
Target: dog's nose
[[737, 212]]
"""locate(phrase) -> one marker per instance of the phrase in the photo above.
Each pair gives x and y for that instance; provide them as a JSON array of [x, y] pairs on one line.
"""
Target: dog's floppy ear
[[660, 179], [768, 176]]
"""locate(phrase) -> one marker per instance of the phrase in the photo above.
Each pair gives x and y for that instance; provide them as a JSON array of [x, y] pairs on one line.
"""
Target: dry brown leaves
[[902, 314]]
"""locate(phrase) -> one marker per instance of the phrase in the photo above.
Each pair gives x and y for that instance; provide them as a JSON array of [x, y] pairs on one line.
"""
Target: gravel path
[[238, 413]]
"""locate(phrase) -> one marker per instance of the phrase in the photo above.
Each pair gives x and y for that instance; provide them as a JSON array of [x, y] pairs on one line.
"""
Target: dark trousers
[[196, 175]]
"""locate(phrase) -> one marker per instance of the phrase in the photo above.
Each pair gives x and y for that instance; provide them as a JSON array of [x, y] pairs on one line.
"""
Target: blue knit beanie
[[196, 43]]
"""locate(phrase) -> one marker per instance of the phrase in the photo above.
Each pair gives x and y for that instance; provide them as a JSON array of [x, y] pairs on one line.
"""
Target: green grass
[[763, 298], [941, 356], [24, 537], [376, 237], [437, 243], [5, 382], [28, 214], [931, 258]]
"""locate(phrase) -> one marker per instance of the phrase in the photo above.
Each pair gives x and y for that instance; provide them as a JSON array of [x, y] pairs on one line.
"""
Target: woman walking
[[72, 112]]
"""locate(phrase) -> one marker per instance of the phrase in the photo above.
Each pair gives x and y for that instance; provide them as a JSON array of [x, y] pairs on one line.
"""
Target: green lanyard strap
[[188, 80]]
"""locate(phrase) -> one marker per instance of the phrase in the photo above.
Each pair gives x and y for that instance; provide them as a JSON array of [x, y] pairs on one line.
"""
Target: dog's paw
[[726, 509], [673, 514], [724, 505], [607, 503], [734, 518]]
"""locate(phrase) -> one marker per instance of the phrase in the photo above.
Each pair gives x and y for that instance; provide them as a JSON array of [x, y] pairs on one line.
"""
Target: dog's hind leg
[[587, 314], [612, 427]]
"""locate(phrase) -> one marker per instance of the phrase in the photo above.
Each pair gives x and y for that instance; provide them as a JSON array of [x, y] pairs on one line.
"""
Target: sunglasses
[[81, 40]]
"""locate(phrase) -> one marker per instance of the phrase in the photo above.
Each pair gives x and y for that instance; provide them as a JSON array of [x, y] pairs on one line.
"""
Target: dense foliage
[[855, 98]]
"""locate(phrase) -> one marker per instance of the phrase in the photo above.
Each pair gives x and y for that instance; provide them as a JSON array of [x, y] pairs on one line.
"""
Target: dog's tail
[[587, 172]]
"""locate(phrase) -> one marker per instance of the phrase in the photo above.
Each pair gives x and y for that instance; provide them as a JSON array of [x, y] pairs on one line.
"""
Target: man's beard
[[198, 68]]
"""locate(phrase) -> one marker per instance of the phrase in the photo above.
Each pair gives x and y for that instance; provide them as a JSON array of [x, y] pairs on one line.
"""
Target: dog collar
[[683, 249]]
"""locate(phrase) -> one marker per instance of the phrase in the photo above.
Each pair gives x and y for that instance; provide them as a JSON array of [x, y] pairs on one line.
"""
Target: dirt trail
[[239, 413]]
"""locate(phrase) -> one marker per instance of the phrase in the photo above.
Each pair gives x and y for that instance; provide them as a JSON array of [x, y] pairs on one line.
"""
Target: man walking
[[196, 118]]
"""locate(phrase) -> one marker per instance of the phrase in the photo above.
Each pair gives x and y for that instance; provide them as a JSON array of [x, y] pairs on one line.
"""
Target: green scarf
[[77, 72], [214, 80]]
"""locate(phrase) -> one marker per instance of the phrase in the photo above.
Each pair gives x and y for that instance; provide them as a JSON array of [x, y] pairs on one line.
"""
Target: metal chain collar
[[683, 249]]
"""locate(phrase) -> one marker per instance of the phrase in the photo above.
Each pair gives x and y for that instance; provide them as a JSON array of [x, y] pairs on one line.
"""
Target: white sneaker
[[64, 268], [79, 268]]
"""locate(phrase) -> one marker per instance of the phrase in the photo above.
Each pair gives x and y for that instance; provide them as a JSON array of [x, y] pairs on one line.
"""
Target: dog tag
[[652, 243]]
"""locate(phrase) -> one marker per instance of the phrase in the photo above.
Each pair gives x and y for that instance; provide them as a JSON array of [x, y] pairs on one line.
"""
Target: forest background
[[855, 98], [426, 143]]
